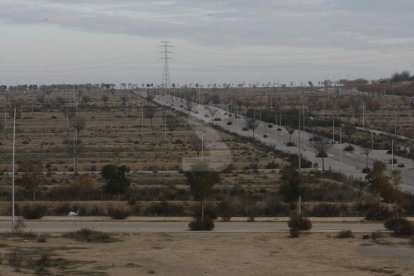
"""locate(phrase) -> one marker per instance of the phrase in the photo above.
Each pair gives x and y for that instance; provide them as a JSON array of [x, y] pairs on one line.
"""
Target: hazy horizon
[[54, 41]]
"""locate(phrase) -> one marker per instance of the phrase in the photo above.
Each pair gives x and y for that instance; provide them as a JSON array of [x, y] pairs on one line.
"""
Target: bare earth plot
[[218, 254]]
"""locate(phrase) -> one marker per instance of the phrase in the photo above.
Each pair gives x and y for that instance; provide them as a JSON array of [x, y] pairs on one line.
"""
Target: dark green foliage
[[115, 178], [34, 211], [291, 183], [400, 226], [201, 182], [118, 213]]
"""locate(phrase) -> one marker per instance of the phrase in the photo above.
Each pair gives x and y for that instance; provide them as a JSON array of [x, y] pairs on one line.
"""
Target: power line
[[166, 52]]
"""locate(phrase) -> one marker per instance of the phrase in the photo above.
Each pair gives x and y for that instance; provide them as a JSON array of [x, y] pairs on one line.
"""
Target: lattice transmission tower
[[166, 52]]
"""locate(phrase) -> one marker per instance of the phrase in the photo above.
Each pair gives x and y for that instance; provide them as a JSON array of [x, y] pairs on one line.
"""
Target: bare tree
[[188, 104], [105, 99], [78, 124], [32, 176], [149, 112], [321, 145], [124, 99], [196, 144], [172, 124], [212, 111], [251, 124]]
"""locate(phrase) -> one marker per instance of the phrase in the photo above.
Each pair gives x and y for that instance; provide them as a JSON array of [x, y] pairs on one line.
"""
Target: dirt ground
[[218, 254]]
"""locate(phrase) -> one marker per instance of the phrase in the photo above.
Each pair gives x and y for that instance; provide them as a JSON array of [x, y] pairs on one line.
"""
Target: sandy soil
[[221, 254]]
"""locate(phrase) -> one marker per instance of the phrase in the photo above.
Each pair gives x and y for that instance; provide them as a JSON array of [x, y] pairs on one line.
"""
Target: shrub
[[344, 234], [298, 223], [118, 213], [198, 225], [400, 226], [349, 148], [226, 209], [206, 222], [272, 165], [375, 211], [245, 128], [270, 125], [88, 235], [366, 170], [376, 235], [290, 144], [229, 123], [34, 211]]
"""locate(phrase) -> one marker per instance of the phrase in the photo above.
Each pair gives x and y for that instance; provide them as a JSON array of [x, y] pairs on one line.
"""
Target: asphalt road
[[350, 164], [39, 226]]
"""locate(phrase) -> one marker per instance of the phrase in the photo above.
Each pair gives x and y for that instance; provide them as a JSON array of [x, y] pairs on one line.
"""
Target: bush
[[226, 209], [400, 226], [299, 223], [349, 148], [245, 129], [34, 211], [88, 235], [344, 234], [207, 222], [366, 170], [197, 225], [290, 144], [118, 213], [375, 211], [272, 165], [229, 123]]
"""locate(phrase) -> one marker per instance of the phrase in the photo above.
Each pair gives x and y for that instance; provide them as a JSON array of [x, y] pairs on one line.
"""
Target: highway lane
[[38, 226], [348, 163]]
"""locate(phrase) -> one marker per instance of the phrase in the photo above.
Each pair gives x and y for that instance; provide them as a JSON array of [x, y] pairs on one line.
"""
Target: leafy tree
[[291, 183], [252, 124], [149, 112], [379, 182], [201, 181], [85, 99], [290, 129], [172, 124], [116, 179]]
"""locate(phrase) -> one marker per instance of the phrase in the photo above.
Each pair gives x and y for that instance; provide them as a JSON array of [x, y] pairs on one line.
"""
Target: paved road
[[178, 227], [348, 163]]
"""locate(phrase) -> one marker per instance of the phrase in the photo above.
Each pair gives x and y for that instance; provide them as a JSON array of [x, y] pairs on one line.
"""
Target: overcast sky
[[215, 41]]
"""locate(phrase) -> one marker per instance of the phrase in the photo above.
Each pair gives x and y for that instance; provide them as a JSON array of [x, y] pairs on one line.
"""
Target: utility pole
[[166, 52], [13, 161], [300, 153], [392, 152]]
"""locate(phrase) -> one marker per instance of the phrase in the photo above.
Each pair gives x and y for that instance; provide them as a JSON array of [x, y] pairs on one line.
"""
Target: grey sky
[[54, 41]]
